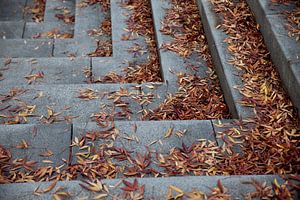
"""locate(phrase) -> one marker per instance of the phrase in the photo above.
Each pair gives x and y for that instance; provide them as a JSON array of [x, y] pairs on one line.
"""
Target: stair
[[284, 50], [62, 106], [155, 188]]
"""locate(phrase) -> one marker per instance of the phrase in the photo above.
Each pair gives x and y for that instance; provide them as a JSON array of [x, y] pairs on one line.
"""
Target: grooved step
[[284, 50], [80, 47], [147, 132]]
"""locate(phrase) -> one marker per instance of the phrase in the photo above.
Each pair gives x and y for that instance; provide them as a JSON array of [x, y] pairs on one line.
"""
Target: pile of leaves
[[197, 98], [139, 23], [270, 140], [104, 29], [38, 10]]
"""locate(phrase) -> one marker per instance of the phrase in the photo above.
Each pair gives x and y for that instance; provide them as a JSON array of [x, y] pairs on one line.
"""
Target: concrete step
[[30, 142], [80, 47], [12, 10], [237, 187], [172, 63], [88, 18], [137, 138], [48, 30], [284, 50], [154, 140], [44, 71], [229, 76], [122, 57], [11, 29], [57, 7], [22, 48], [65, 100]]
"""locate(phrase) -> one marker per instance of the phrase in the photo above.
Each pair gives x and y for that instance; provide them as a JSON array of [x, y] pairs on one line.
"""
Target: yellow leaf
[[169, 132]]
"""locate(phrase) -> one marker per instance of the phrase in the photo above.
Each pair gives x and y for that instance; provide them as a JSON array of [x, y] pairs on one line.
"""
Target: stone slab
[[26, 48], [54, 7], [155, 93], [144, 137], [40, 138], [12, 10], [33, 30], [103, 66], [120, 46], [88, 18], [74, 47], [148, 132], [64, 99], [11, 29], [55, 71]]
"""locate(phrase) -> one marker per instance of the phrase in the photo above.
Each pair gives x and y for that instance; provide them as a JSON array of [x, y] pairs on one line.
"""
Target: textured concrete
[[103, 66], [155, 188], [284, 50], [149, 132], [11, 30], [26, 48], [120, 47], [33, 30], [142, 137], [88, 18], [54, 7], [40, 138], [227, 73], [11, 10], [74, 47], [158, 92], [55, 70], [64, 99]]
